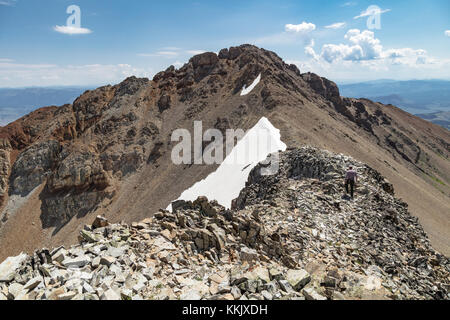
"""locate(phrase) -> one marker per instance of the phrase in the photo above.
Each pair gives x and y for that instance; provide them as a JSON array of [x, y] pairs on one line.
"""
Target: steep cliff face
[[5, 167], [110, 151]]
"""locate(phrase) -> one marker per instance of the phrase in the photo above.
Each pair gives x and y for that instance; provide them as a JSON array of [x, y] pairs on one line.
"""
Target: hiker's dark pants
[[350, 182]]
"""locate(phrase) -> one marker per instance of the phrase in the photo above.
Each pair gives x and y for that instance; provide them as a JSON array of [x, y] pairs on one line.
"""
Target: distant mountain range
[[441, 118], [15, 103], [428, 99]]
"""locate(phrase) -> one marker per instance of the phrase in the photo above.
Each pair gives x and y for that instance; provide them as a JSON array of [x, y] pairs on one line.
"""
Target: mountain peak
[[110, 151]]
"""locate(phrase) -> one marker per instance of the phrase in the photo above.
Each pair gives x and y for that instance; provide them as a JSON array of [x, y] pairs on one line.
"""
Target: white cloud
[[5, 60], [7, 2], [71, 30], [370, 11], [195, 52], [174, 52], [303, 27], [170, 48], [165, 54], [447, 33], [370, 46], [337, 25], [332, 52], [355, 71], [293, 33], [178, 64], [21, 75], [364, 46], [309, 51], [349, 4], [364, 58]]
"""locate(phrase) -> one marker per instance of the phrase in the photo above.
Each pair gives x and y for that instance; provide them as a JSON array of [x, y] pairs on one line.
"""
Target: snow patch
[[246, 91], [229, 179]]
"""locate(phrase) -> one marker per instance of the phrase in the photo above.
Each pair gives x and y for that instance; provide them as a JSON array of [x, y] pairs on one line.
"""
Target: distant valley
[[17, 102], [428, 99]]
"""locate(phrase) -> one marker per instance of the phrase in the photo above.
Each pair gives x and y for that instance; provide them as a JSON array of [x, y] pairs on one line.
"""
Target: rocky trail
[[291, 235]]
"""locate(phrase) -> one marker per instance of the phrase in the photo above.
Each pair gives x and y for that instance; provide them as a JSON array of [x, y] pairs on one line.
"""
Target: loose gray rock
[[298, 278]]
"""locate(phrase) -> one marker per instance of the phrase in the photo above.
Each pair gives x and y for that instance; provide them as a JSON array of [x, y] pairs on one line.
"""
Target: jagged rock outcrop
[[59, 208], [75, 187], [33, 166], [77, 170], [294, 237], [5, 167]]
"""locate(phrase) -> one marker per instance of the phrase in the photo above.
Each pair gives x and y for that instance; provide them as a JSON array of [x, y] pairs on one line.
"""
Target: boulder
[[100, 222], [77, 262], [248, 255], [164, 102], [15, 290], [298, 278], [10, 267], [110, 294], [311, 294]]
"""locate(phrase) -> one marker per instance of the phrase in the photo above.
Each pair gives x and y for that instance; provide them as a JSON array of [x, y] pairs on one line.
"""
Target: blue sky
[[119, 38]]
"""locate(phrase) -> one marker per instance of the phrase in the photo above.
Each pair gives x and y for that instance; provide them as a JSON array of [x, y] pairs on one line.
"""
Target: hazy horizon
[[339, 82]]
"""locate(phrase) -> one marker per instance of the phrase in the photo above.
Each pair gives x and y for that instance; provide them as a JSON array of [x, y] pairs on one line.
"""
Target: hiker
[[351, 178]]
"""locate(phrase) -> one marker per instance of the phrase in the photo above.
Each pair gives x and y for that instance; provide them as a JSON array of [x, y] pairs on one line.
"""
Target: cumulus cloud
[[304, 27], [337, 25], [332, 52], [371, 11], [447, 33], [71, 30], [370, 46], [293, 33], [363, 57], [363, 46]]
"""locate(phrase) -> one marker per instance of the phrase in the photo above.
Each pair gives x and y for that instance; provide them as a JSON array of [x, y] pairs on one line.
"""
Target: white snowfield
[[229, 179], [246, 91]]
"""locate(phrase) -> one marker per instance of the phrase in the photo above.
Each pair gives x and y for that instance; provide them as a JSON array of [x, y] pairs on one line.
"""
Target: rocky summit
[[292, 235]]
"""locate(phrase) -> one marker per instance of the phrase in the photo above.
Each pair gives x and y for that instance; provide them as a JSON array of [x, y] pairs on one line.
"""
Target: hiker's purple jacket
[[351, 175]]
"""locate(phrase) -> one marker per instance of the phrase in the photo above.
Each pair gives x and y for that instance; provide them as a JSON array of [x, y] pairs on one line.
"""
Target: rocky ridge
[[292, 235], [110, 149]]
